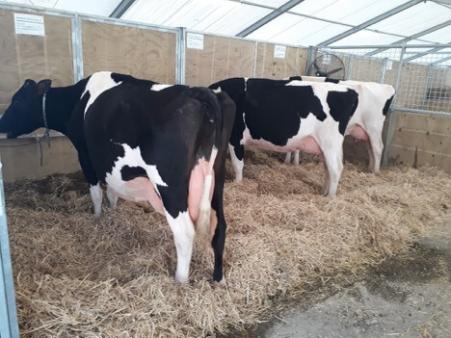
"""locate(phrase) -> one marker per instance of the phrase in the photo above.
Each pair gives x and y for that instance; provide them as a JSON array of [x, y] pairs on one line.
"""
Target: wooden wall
[[223, 58], [421, 139], [144, 53], [34, 57]]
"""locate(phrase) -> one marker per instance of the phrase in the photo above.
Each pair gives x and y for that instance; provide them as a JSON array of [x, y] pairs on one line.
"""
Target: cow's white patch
[[217, 90], [132, 157], [237, 164], [183, 230], [96, 196], [159, 86], [97, 84]]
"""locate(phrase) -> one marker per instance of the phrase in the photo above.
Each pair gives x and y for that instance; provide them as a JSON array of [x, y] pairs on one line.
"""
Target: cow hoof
[[181, 279]]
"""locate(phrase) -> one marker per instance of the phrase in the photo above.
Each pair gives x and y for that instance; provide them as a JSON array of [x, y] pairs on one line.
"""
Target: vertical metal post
[[383, 70], [180, 56], [349, 72], [391, 115], [77, 48], [311, 54], [8, 315]]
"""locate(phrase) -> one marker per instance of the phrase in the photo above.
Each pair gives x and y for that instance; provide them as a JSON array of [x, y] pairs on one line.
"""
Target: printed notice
[[28, 24], [195, 41], [279, 51], [388, 64]]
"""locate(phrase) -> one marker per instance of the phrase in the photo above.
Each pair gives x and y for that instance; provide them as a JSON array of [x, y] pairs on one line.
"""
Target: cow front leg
[[288, 158], [95, 189], [296, 157], [237, 157]]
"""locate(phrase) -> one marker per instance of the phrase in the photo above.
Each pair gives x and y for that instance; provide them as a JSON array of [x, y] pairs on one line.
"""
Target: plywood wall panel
[[422, 139], [221, 58], [267, 66], [34, 57], [143, 53]]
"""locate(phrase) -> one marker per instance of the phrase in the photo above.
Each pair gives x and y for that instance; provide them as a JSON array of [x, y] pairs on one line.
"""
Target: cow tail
[[213, 112]]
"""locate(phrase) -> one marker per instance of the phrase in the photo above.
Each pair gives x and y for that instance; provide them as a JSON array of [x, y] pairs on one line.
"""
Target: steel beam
[[121, 8], [419, 45], [370, 22], [269, 17], [414, 36], [429, 51], [440, 60], [245, 2]]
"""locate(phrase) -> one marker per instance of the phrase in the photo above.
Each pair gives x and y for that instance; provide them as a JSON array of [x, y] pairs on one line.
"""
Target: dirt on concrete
[[404, 296]]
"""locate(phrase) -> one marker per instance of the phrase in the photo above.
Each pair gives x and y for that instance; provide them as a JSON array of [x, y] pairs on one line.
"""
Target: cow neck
[[59, 106]]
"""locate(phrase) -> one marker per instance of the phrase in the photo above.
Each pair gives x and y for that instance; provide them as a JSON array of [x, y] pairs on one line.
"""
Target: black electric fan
[[328, 65]]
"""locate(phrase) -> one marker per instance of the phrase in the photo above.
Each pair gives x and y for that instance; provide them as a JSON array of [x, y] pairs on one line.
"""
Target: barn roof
[[324, 23]]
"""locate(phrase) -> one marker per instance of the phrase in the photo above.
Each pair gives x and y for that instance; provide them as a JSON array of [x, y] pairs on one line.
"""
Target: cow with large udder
[[286, 116], [368, 120], [163, 144]]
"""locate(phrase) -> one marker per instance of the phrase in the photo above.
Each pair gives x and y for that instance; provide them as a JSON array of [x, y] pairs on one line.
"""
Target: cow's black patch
[[235, 88], [342, 106], [128, 173], [387, 105], [328, 79], [273, 111]]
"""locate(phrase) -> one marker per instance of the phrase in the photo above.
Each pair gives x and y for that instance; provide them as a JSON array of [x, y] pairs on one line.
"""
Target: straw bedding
[[113, 277]]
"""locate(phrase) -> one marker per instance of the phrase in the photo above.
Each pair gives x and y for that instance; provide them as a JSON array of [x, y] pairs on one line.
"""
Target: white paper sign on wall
[[280, 51], [28, 24], [388, 64], [195, 41]]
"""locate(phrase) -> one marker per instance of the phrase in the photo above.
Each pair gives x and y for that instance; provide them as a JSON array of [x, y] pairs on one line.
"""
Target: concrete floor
[[408, 296]]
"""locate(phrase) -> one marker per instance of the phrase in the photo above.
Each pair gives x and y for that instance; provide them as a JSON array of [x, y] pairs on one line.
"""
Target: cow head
[[24, 114]]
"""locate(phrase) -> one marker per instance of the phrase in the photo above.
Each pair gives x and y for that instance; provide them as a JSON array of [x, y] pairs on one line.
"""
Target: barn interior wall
[[152, 54], [421, 139]]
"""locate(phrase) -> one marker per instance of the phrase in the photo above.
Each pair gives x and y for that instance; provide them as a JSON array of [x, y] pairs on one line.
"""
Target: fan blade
[[333, 71]]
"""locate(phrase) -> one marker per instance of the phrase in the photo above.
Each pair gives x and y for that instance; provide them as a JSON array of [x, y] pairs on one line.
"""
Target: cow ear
[[28, 82], [43, 86]]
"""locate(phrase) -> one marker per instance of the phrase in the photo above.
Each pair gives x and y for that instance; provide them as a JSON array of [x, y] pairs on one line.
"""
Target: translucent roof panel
[[366, 38], [270, 3], [346, 11], [414, 19], [442, 35], [97, 7], [220, 16], [293, 29]]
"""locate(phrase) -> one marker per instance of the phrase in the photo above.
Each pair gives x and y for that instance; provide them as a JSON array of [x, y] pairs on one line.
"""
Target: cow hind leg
[[376, 146], [237, 157], [112, 197], [333, 158], [183, 231]]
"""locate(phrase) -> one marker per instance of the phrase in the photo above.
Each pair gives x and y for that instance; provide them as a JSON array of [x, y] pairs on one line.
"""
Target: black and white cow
[[368, 120], [286, 116], [148, 142]]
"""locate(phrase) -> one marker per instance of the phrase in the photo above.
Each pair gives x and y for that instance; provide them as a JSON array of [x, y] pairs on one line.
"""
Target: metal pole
[[77, 48], [180, 56], [8, 313], [311, 54], [383, 70], [391, 116]]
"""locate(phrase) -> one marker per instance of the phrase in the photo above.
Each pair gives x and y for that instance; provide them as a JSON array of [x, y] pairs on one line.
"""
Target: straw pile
[[81, 277]]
